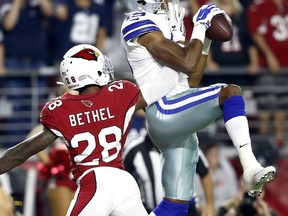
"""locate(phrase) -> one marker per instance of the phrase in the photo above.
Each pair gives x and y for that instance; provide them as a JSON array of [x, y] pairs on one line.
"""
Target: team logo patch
[[87, 103], [87, 54]]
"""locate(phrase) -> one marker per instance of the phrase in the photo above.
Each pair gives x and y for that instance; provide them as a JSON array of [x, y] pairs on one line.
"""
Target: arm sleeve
[[47, 119]]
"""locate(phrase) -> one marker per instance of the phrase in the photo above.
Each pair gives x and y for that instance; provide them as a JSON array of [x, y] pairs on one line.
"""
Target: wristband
[[206, 46], [199, 32]]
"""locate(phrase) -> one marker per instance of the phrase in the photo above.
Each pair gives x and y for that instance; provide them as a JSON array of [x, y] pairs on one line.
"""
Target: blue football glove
[[205, 15]]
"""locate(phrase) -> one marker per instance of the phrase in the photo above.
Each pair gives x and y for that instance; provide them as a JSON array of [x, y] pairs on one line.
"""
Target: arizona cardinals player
[[94, 125], [150, 37]]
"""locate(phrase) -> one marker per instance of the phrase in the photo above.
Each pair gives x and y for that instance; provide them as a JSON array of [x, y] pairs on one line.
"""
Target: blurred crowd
[[34, 35]]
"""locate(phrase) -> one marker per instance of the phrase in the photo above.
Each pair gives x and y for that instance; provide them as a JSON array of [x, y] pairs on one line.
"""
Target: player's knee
[[228, 91]]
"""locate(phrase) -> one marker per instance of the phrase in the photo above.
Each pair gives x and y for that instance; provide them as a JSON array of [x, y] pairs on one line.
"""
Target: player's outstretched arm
[[19, 153], [184, 59]]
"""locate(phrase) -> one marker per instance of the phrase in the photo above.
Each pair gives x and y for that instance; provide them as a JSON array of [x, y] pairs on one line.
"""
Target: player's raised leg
[[236, 123]]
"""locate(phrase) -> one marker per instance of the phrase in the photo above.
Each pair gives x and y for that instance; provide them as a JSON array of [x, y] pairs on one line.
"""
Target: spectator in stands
[[142, 160], [6, 201], [243, 205], [25, 38], [225, 183], [268, 25], [22, 22], [76, 22], [240, 50]]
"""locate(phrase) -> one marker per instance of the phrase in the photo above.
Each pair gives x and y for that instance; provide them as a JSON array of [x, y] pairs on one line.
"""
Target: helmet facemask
[[157, 6], [106, 75], [129, 6], [152, 6]]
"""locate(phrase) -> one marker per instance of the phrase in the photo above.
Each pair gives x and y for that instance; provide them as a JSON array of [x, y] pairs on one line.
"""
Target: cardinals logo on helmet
[[87, 54]]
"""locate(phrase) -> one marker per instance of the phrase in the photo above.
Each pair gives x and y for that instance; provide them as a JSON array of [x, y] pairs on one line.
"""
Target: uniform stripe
[[128, 118], [59, 134], [85, 196], [187, 101], [135, 25], [138, 28], [140, 32]]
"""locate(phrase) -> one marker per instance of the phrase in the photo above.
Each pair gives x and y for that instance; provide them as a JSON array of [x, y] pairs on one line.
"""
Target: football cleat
[[256, 178]]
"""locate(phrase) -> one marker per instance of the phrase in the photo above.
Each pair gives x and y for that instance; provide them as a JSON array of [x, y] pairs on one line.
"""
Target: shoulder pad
[[137, 24]]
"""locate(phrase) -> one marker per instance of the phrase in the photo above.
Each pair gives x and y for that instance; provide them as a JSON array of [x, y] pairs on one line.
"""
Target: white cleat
[[255, 179]]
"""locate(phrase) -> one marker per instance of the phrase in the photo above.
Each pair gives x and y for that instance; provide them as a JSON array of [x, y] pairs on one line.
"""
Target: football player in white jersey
[[94, 126], [164, 68]]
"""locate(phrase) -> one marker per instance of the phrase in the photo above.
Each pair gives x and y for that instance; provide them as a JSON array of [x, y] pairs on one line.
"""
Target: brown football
[[221, 29]]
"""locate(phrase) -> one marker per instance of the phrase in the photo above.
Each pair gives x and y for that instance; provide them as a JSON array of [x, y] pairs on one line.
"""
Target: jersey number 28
[[107, 146]]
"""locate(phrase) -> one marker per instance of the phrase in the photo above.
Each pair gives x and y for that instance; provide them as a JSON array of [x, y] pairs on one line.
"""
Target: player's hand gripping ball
[[221, 29]]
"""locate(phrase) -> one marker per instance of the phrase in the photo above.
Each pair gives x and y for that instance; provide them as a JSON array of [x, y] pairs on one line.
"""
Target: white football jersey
[[154, 79]]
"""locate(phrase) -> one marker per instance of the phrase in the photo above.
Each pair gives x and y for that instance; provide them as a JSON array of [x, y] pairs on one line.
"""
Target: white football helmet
[[152, 6], [84, 65]]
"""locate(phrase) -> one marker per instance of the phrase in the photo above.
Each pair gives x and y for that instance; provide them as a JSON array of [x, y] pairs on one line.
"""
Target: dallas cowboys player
[[163, 68]]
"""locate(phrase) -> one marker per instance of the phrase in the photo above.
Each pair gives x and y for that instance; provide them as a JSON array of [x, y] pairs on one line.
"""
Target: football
[[221, 29]]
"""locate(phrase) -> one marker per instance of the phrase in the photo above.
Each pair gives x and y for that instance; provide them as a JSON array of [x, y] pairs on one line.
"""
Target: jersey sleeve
[[47, 117], [130, 94], [137, 24]]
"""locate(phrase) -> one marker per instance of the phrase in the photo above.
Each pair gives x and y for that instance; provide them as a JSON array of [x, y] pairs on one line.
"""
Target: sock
[[192, 202], [167, 208], [236, 124]]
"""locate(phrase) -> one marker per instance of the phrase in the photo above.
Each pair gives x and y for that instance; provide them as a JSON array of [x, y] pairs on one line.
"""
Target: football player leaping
[[152, 37]]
